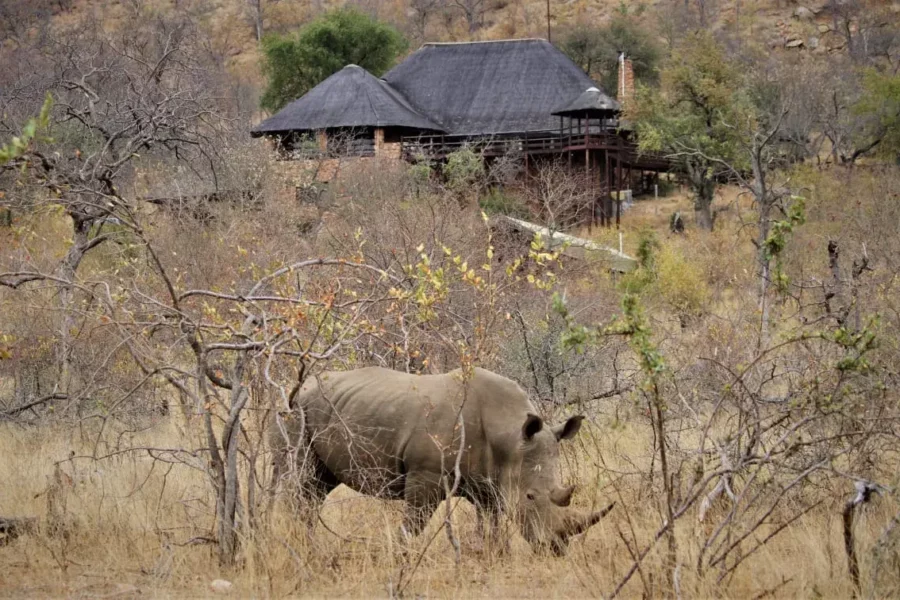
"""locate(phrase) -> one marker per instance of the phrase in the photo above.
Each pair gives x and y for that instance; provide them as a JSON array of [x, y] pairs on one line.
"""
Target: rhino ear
[[533, 425], [567, 430]]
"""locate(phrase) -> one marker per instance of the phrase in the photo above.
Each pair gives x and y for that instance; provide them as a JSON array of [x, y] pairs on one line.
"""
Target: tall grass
[[136, 521]]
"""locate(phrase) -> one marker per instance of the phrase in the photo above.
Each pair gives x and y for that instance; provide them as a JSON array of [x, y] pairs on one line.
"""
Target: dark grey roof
[[591, 101], [489, 87], [352, 97]]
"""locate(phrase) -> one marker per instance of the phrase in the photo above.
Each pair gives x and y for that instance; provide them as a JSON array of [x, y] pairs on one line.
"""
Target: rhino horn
[[562, 497], [580, 525]]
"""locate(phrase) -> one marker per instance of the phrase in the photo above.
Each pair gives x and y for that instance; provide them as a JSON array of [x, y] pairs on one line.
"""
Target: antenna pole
[[548, 22]]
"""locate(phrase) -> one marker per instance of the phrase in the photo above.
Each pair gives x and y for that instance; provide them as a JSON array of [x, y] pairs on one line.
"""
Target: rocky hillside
[[811, 26]]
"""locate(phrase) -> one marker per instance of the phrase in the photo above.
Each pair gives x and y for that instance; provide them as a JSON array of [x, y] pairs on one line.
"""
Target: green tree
[[19, 145], [464, 170], [879, 106], [294, 64], [596, 50], [698, 118]]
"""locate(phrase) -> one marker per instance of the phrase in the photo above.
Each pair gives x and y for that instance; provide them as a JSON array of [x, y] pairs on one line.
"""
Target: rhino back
[[371, 426]]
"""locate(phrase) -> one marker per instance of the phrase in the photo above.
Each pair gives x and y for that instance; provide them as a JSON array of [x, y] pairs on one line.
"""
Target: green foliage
[[856, 345], [420, 172], [700, 103], [881, 102], [596, 50], [575, 335], [17, 146], [638, 280], [647, 247], [498, 202], [294, 64], [665, 188], [681, 283], [308, 146], [702, 114], [420, 177], [463, 170], [774, 245], [632, 324], [666, 273]]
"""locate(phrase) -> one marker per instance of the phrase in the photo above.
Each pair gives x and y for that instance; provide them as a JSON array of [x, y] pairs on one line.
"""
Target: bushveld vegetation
[[166, 284]]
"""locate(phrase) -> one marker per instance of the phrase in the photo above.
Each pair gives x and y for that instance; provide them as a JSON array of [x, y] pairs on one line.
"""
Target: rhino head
[[542, 508]]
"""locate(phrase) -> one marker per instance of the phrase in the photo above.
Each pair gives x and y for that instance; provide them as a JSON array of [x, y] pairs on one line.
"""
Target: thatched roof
[[495, 87], [592, 102], [352, 97]]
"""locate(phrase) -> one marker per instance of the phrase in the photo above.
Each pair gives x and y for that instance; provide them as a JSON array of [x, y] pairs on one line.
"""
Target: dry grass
[[132, 519]]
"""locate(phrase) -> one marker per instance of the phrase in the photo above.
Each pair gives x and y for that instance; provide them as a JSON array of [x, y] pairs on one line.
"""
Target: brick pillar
[[379, 140], [625, 89], [322, 140]]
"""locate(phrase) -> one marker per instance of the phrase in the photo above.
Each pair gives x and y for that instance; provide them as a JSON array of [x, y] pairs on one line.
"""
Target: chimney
[[625, 91]]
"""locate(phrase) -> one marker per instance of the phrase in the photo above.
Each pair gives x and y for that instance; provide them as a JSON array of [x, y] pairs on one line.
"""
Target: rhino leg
[[315, 490], [422, 493], [491, 536], [309, 489]]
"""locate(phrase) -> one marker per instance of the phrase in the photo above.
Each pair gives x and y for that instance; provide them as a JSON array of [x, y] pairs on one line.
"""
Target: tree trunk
[[765, 264], [703, 216], [472, 19], [257, 7], [658, 420], [68, 268], [703, 199]]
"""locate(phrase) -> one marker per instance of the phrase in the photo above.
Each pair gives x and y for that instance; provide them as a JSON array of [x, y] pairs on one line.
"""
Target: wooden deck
[[439, 147]]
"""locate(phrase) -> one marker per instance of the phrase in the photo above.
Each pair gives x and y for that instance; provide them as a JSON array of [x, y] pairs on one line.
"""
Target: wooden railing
[[337, 147], [437, 147], [440, 146]]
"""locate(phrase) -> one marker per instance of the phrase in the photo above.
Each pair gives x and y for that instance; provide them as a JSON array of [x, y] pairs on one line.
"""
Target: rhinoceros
[[396, 435]]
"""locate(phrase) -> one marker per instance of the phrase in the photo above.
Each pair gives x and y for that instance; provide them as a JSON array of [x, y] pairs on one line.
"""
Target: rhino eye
[[529, 495]]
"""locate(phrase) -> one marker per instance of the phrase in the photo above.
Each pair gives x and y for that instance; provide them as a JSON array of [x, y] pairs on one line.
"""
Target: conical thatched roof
[[489, 87], [352, 97], [592, 102]]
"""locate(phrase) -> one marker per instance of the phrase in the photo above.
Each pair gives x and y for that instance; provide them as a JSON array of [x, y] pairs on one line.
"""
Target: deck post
[[587, 162], [619, 184], [592, 196], [587, 128], [608, 196], [527, 151]]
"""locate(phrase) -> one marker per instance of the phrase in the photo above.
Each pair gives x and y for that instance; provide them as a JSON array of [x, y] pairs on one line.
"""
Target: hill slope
[[233, 25]]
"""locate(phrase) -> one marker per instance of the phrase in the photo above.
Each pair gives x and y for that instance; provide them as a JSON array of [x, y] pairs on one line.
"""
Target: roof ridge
[[368, 97], [403, 100], [483, 42]]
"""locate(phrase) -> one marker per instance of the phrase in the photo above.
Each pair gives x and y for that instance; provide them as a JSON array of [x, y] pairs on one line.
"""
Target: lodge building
[[522, 97]]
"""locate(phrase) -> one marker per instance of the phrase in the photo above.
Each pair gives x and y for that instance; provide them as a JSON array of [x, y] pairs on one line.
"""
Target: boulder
[[812, 43], [796, 43], [221, 586], [125, 589], [804, 14], [823, 28]]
